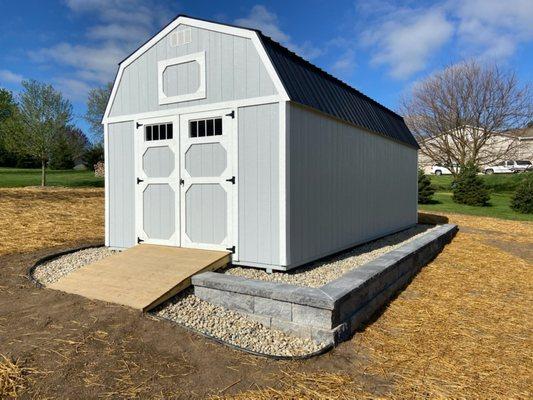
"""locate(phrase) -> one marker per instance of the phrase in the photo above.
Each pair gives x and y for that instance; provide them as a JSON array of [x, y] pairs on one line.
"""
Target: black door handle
[[232, 180], [139, 180]]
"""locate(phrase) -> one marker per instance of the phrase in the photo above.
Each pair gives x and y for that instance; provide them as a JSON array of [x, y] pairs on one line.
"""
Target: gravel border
[[224, 326], [322, 272], [55, 268]]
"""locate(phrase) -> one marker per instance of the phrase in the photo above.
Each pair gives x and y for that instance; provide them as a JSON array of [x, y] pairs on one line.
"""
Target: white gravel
[[320, 273], [189, 310], [234, 328], [50, 271]]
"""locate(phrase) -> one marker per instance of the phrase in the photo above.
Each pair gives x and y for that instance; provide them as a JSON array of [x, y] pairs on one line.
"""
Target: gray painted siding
[[181, 79], [205, 160], [121, 167], [347, 185], [233, 71], [206, 213], [258, 180], [159, 207], [159, 162]]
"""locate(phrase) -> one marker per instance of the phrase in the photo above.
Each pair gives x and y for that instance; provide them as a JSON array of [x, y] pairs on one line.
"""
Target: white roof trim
[[213, 26]]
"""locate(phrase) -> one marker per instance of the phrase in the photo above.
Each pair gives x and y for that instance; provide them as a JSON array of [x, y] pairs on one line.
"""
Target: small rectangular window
[[210, 127], [148, 133], [205, 127], [218, 126], [193, 129], [158, 132], [201, 128]]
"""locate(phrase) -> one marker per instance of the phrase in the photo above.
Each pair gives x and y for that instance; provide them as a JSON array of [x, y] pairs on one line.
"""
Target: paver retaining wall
[[330, 313]]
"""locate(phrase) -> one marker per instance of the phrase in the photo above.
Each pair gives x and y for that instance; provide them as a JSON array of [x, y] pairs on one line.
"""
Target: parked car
[[508, 167], [440, 170]]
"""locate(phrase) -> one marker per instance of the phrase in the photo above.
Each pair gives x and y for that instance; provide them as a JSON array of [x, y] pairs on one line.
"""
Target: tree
[[96, 104], [69, 148], [9, 118], [468, 188], [425, 188], [44, 113], [522, 200], [461, 114], [93, 155]]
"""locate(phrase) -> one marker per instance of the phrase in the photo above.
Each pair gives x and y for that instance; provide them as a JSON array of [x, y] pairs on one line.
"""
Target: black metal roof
[[309, 85]]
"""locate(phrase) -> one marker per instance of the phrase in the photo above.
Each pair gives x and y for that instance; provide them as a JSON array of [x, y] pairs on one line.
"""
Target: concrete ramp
[[141, 277]]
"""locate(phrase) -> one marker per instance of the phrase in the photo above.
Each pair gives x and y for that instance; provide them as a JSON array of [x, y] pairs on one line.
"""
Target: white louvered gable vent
[[178, 38]]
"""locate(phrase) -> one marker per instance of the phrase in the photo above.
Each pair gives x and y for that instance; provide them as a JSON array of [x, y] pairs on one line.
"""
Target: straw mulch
[[462, 329], [12, 378], [34, 218]]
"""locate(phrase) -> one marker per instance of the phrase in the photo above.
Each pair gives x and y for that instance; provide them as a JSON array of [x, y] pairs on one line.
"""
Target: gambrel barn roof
[[309, 85]]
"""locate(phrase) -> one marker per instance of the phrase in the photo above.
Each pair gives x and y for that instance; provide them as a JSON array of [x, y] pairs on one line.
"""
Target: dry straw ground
[[462, 329], [32, 218]]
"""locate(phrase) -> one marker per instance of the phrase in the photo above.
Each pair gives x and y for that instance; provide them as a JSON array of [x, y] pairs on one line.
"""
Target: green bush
[[522, 200], [425, 188], [469, 188]]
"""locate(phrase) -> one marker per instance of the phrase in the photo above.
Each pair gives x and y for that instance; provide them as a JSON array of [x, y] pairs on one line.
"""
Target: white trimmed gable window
[[181, 78]]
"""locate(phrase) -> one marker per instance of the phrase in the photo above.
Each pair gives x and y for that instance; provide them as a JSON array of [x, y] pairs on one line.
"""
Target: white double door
[[185, 185]]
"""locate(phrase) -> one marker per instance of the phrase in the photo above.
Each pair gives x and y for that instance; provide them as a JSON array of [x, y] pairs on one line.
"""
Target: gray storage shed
[[217, 137]]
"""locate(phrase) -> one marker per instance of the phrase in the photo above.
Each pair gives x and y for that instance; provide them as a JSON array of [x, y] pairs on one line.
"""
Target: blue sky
[[381, 48]]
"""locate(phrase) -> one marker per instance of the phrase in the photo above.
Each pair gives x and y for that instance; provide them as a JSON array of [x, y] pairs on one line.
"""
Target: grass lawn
[[499, 207], [501, 186], [18, 177]]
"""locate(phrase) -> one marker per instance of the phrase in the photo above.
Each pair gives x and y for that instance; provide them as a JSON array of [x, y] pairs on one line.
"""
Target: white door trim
[[140, 147], [229, 141]]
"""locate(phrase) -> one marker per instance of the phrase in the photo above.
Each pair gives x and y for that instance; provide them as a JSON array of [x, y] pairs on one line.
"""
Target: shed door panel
[[206, 170], [158, 183]]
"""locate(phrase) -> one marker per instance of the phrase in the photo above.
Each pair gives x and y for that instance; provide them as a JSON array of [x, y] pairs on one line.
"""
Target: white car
[[440, 170], [508, 167]]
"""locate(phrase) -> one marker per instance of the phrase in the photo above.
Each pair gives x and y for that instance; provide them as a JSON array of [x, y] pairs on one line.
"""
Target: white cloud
[[405, 39], [73, 89], [345, 63], [119, 27], [267, 22], [7, 76], [492, 29]]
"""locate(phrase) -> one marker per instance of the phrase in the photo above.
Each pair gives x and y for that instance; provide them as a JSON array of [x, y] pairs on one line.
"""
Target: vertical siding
[[258, 179], [121, 166], [347, 185], [233, 71]]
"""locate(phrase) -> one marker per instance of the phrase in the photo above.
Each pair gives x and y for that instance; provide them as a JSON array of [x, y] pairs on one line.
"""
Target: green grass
[[497, 183], [498, 208], [18, 177]]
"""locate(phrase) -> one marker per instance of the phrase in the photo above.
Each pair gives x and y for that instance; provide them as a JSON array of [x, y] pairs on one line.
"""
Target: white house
[[217, 137]]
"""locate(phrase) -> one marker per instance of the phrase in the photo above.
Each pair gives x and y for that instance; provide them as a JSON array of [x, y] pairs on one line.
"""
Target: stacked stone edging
[[334, 311]]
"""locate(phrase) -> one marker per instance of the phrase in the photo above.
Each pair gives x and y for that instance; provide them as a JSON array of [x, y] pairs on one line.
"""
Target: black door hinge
[[232, 180], [139, 180], [139, 125], [231, 114], [139, 240], [232, 249], [182, 182]]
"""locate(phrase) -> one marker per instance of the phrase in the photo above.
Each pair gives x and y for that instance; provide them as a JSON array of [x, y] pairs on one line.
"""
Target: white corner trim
[[213, 26], [106, 184], [200, 93], [283, 184]]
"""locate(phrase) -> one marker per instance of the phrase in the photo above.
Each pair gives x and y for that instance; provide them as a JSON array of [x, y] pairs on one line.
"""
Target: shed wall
[[233, 71], [258, 180], [347, 185], [121, 169]]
